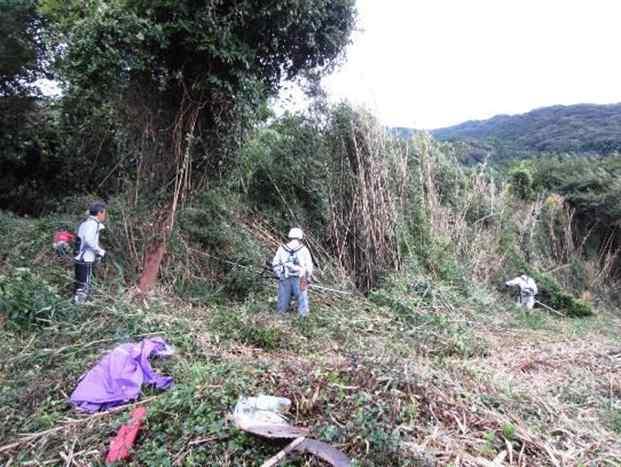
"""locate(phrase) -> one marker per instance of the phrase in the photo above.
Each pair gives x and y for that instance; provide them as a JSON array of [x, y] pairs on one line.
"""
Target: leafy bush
[[28, 300], [216, 250], [385, 439], [591, 188], [274, 168], [555, 297], [522, 182]]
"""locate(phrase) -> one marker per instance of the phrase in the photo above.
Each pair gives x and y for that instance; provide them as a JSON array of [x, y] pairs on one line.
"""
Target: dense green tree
[[22, 48], [591, 186], [522, 181], [25, 139], [187, 78], [194, 67]]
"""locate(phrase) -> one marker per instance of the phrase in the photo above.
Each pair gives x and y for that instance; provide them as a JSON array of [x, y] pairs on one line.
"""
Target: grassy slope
[[404, 378]]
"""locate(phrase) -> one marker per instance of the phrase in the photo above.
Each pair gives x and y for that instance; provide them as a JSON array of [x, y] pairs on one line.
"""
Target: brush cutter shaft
[[326, 289]]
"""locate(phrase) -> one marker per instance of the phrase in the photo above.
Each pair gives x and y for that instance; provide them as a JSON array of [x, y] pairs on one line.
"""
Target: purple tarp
[[117, 378]]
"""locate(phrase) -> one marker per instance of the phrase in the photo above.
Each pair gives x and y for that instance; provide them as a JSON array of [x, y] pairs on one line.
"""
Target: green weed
[[27, 300], [255, 330], [534, 319], [489, 447], [615, 421], [508, 431]]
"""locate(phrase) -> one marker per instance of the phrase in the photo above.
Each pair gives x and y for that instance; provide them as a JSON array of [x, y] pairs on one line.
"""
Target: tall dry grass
[[474, 223], [366, 191]]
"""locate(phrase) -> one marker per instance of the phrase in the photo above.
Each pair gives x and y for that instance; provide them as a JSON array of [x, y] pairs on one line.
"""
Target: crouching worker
[[293, 266], [528, 290], [87, 250]]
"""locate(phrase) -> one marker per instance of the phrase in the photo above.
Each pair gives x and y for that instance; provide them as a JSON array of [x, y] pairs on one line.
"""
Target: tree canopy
[[22, 48], [145, 83], [199, 68]]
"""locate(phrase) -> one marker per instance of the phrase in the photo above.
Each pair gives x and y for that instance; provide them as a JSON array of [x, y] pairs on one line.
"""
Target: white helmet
[[296, 233]]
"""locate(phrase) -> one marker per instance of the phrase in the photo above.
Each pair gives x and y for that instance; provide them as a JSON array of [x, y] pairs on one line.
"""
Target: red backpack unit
[[62, 242]]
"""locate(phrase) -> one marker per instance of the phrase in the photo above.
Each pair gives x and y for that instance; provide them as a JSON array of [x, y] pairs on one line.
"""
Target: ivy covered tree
[[187, 78], [24, 138], [22, 48]]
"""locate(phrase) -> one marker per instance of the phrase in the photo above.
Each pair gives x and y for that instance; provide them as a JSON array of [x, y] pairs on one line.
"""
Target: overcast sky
[[433, 63]]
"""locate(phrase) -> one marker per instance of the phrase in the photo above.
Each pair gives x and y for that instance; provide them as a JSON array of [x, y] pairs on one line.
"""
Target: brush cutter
[[267, 268]]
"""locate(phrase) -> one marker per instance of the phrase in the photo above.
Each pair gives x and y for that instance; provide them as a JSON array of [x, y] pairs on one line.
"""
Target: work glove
[[277, 271]]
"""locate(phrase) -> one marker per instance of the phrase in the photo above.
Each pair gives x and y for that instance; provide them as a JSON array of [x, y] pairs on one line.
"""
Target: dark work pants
[[83, 278]]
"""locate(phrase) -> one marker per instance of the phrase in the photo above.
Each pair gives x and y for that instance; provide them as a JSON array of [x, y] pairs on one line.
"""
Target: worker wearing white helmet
[[528, 290], [293, 266]]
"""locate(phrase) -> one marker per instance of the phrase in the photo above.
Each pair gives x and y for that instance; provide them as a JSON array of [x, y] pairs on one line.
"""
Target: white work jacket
[[89, 237], [526, 284], [293, 260]]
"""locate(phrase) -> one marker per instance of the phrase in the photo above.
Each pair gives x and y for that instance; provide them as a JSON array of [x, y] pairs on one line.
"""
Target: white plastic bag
[[261, 410], [265, 416]]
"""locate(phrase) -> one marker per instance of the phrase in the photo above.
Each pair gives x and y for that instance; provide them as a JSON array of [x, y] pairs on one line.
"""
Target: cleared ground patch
[[436, 385]]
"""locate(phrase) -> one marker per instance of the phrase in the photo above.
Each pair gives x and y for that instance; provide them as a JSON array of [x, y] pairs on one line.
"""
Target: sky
[[435, 63]]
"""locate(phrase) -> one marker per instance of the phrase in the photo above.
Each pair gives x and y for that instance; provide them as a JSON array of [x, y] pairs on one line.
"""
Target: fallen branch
[[325, 452], [272, 461]]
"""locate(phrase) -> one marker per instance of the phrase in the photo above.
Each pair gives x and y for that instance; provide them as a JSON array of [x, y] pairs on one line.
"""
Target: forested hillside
[[593, 129], [574, 128], [413, 351]]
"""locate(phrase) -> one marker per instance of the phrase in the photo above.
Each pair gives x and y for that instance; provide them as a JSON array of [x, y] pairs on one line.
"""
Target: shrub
[[557, 298], [28, 300], [214, 249], [522, 182]]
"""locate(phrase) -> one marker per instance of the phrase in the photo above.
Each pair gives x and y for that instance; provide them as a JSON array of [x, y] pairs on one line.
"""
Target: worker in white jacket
[[293, 266], [528, 290], [87, 250]]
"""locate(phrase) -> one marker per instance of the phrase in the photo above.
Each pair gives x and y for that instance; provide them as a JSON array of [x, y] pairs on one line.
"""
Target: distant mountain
[[583, 128]]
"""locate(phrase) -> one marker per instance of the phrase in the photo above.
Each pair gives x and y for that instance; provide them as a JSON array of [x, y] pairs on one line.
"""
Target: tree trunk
[[152, 261], [156, 249], [182, 138]]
